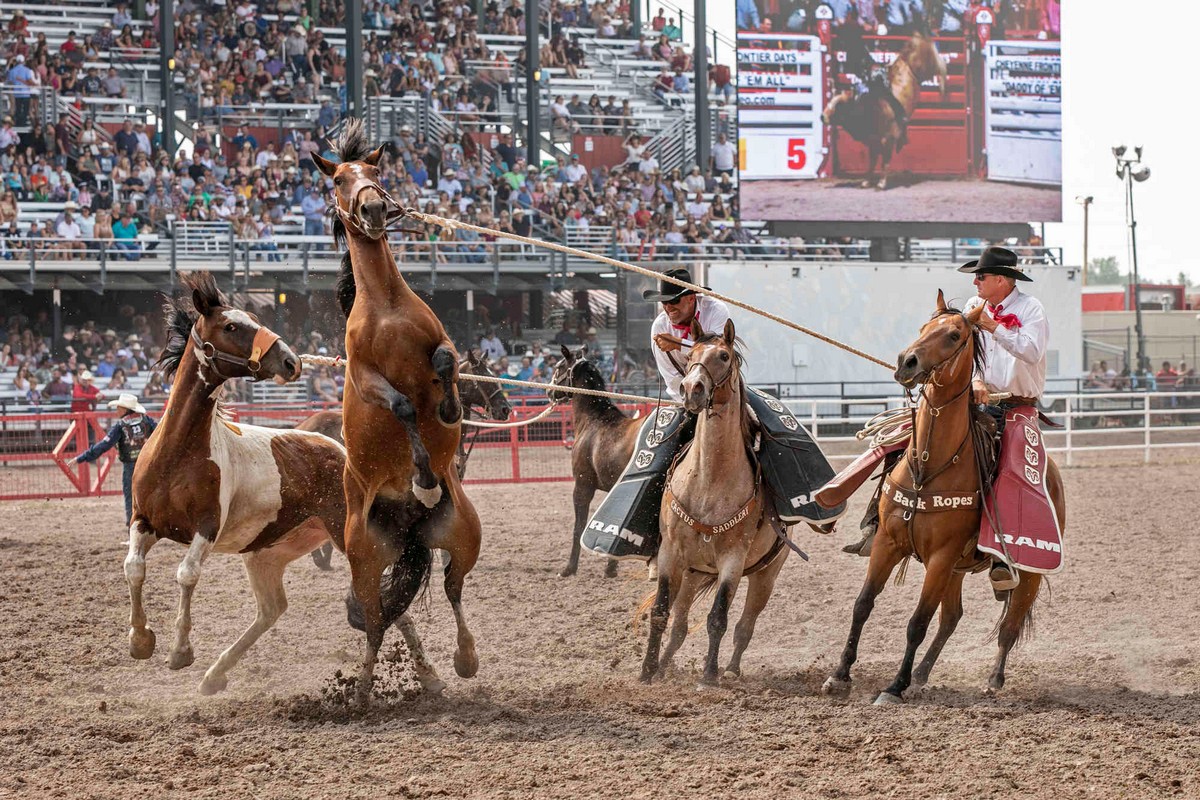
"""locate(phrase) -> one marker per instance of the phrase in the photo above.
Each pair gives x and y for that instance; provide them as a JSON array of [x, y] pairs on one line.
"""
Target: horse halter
[[490, 396], [264, 340], [716, 385], [360, 185]]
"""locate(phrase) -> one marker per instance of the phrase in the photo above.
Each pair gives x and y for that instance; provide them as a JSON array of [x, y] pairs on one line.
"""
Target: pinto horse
[[871, 118], [402, 420], [711, 481], [214, 486], [940, 460], [604, 441]]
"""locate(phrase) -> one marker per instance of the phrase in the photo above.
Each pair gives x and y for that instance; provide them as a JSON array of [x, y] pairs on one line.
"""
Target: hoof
[[866, 184], [141, 643], [610, 569], [652, 571], [428, 497], [181, 658], [212, 684], [920, 678], [568, 571], [466, 663], [994, 686], [732, 674], [836, 688], [432, 685], [322, 557], [887, 699]]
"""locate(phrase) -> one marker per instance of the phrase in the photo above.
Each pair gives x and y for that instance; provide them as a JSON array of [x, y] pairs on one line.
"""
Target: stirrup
[[1003, 577], [862, 547]]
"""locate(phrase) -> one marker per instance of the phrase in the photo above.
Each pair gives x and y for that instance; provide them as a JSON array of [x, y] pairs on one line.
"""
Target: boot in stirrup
[[1003, 578]]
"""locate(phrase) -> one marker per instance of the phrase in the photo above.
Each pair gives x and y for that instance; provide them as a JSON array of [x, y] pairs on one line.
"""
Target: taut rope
[[550, 409], [453, 224]]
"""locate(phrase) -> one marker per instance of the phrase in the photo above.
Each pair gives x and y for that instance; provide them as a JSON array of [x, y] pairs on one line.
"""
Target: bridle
[[716, 385], [490, 396], [394, 210], [264, 340], [917, 463]]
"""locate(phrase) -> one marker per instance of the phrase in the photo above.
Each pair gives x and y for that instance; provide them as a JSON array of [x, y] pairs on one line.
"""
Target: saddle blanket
[[1020, 501], [846, 482], [626, 523], [793, 465]]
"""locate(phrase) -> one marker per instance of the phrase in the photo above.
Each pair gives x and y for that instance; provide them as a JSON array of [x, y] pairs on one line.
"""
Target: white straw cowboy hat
[[127, 401]]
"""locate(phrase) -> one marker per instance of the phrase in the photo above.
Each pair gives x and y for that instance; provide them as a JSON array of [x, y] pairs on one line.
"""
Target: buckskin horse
[[487, 397], [402, 420], [604, 441], [871, 118], [716, 480], [271, 495], [939, 463]]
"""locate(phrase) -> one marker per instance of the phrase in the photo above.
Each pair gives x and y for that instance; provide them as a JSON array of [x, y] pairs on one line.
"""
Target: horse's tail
[[408, 577], [647, 603], [1026, 628]]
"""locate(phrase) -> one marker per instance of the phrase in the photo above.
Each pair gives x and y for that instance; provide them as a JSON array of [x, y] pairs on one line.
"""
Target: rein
[[395, 210], [264, 340]]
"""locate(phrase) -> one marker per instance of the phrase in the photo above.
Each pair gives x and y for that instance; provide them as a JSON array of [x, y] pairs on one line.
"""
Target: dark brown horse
[[215, 486], [715, 515], [402, 420], [489, 398], [942, 359], [604, 442], [871, 118]]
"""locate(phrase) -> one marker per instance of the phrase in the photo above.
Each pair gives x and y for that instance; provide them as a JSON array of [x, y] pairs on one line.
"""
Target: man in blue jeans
[[313, 208], [129, 436]]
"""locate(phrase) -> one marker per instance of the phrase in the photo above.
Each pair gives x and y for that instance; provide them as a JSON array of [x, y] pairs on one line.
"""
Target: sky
[[1125, 81]]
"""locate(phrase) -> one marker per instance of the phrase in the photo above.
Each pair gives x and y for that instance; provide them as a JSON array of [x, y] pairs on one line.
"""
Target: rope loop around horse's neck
[[454, 224]]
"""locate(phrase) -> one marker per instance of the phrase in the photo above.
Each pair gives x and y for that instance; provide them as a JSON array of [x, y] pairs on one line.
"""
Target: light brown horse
[[604, 442], [871, 118], [942, 359], [714, 517], [270, 495], [401, 424]]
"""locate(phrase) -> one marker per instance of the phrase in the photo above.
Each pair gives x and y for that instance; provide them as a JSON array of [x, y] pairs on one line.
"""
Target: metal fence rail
[[36, 449]]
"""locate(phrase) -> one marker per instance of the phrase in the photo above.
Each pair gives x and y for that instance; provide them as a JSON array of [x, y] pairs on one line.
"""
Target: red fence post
[[514, 443]]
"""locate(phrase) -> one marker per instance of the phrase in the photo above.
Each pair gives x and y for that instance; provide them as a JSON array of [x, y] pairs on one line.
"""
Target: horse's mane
[[978, 356], [586, 375], [351, 145], [180, 319]]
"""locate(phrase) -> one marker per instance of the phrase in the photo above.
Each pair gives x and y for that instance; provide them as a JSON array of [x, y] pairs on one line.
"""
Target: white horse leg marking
[[426, 674], [141, 638], [187, 576], [265, 570]]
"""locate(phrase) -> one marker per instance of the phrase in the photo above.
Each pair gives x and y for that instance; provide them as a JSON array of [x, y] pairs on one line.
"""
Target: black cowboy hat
[[996, 261], [669, 292]]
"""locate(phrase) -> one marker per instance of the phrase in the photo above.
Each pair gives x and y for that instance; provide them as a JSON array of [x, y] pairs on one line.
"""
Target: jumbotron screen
[[897, 118]]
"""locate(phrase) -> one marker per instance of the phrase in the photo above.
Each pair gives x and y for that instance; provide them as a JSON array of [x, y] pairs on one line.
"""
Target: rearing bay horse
[[871, 118], [942, 359], [401, 424]]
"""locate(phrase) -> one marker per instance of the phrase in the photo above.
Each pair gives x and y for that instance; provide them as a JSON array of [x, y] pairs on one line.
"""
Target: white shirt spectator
[[574, 172], [492, 347], [264, 158], [697, 208], [649, 164], [1016, 356], [68, 229], [449, 184], [694, 182], [87, 226], [724, 155], [143, 142]]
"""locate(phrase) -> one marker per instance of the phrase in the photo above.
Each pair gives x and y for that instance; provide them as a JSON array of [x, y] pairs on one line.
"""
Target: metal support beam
[[636, 17], [354, 58], [703, 119], [166, 75], [533, 93]]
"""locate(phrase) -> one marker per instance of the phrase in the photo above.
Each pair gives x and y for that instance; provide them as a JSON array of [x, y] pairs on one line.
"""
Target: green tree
[[1105, 271]]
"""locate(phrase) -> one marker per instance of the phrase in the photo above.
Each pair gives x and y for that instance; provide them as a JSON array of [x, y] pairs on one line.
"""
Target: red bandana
[[1007, 320]]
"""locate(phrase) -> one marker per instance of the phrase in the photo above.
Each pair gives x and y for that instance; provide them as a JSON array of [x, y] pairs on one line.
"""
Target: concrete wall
[[876, 307]]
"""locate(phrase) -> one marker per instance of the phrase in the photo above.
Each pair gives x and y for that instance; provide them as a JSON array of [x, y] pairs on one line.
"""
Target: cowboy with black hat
[[128, 435], [626, 523]]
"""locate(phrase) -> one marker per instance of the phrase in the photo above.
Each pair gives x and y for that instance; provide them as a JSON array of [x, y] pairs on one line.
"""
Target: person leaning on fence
[[128, 435]]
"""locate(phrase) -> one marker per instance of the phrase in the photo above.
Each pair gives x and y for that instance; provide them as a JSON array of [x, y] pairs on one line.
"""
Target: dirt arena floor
[[1103, 702], [909, 198]]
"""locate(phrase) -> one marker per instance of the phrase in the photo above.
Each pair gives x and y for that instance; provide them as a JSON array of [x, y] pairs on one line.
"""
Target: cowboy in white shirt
[[1015, 335], [679, 308]]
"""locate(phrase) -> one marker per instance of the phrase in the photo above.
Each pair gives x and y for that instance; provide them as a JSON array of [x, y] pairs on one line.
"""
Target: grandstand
[[105, 199]]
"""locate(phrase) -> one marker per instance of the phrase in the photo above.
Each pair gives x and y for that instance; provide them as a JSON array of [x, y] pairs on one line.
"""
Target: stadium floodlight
[[1119, 150], [1127, 173]]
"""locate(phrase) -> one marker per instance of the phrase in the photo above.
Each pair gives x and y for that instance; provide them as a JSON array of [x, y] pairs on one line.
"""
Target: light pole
[[1085, 202], [1126, 171]]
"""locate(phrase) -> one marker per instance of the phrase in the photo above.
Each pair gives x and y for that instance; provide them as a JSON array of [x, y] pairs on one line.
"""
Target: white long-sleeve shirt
[[1016, 357], [710, 313]]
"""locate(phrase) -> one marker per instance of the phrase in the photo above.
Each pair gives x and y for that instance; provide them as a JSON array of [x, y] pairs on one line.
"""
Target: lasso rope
[[338, 361], [550, 409], [453, 224], [893, 426]]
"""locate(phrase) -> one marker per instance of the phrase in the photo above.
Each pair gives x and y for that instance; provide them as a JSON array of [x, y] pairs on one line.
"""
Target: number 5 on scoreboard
[[796, 156]]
